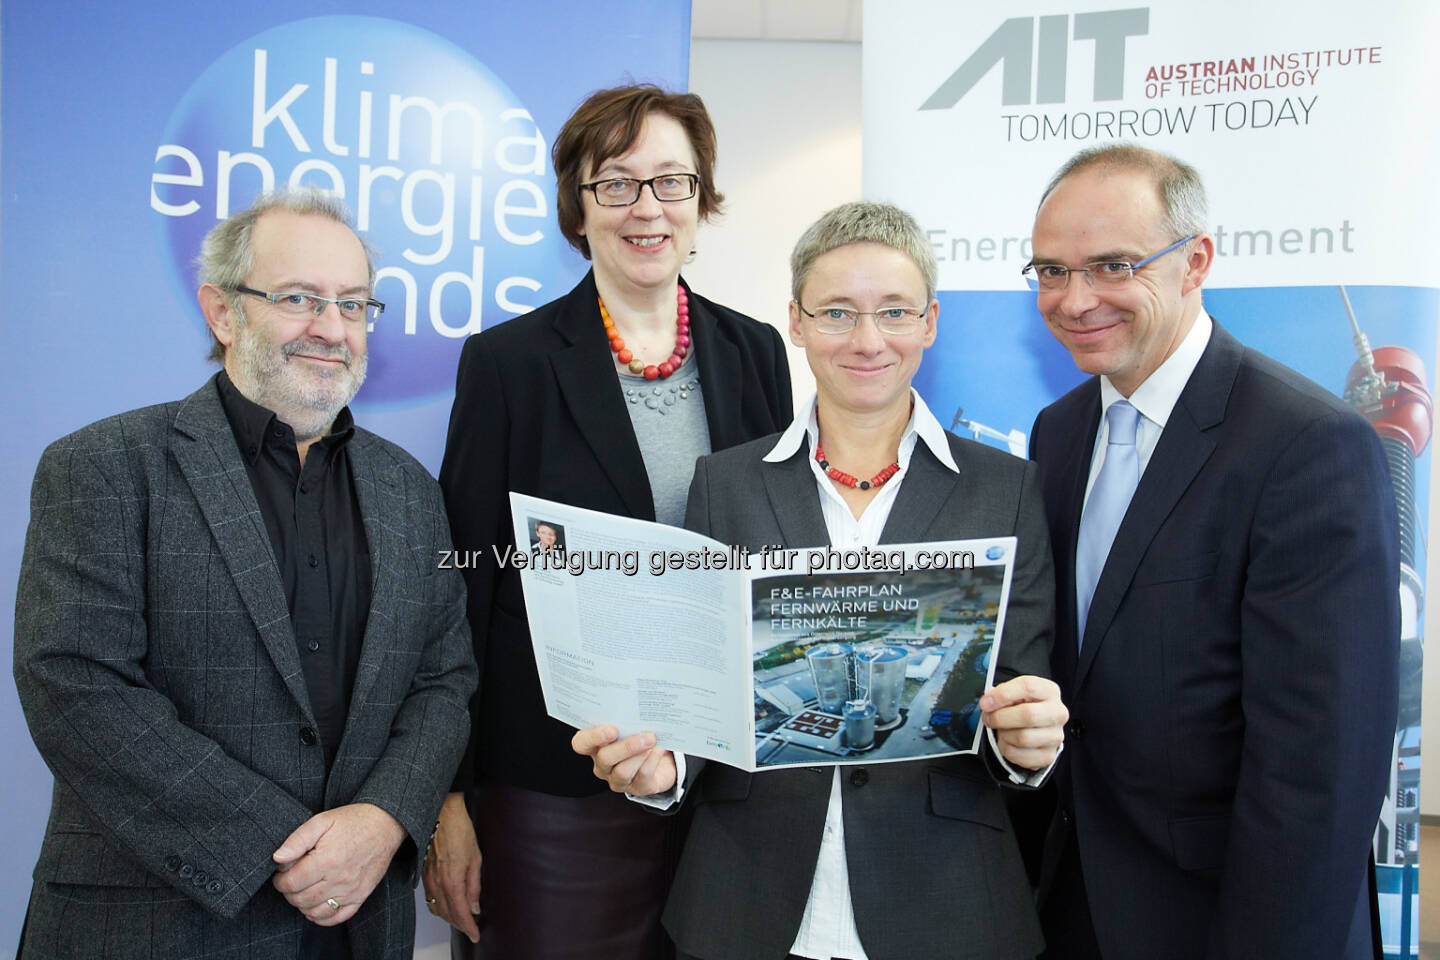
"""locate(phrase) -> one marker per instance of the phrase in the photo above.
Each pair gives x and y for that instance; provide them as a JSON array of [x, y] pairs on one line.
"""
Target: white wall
[[787, 116]]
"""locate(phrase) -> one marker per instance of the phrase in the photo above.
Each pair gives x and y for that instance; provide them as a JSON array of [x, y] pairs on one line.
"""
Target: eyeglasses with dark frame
[[1054, 277], [623, 191], [297, 304], [896, 321]]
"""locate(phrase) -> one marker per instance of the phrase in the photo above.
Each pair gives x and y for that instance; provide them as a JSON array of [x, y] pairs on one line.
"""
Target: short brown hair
[[606, 125]]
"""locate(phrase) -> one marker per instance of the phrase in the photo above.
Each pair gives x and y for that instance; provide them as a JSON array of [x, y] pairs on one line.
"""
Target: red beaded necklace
[[840, 476], [677, 356]]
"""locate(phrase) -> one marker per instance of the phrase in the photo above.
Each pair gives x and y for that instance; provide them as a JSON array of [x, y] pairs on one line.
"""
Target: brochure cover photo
[[853, 666]]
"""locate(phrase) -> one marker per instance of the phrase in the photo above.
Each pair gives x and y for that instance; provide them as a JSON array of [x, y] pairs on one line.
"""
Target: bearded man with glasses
[[1227, 613], [232, 644]]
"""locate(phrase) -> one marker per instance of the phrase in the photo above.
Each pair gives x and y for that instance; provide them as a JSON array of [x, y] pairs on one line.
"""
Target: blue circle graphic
[[445, 171]]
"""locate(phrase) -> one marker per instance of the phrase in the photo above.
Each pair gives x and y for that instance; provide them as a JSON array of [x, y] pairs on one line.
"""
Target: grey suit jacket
[[158, 672], [934, 868]]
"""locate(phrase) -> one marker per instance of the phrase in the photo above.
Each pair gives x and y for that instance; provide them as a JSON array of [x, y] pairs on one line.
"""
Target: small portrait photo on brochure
[[546, 536]]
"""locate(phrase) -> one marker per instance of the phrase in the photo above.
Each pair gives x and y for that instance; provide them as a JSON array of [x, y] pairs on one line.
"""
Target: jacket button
[[308, 736], [199, 879], [1074, 730], [859, 777], [186, 871], [215, 887], [172, 862]]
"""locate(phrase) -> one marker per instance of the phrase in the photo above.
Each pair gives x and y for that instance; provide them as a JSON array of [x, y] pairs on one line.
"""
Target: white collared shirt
[[1155, 398]]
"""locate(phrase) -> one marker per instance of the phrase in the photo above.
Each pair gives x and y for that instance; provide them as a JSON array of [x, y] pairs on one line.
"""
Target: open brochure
[[765, 659]]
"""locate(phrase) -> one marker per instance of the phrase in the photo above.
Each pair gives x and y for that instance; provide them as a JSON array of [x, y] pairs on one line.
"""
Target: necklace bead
[[849, 480], [677, 356]]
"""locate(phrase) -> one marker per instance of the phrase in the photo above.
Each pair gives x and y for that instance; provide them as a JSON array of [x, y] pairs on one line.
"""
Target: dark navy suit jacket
[[1233, 703]]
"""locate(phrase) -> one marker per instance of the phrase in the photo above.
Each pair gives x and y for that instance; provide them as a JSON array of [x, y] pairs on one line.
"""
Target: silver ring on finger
[[332, 903]]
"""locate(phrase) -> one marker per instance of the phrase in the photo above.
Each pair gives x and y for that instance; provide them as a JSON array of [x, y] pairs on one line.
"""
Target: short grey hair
[[1182, 193], [863, 222], [227, 257]]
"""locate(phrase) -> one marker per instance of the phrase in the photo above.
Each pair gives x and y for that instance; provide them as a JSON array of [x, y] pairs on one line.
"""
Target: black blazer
[[539, 410], [934, 869], [1233, 704]]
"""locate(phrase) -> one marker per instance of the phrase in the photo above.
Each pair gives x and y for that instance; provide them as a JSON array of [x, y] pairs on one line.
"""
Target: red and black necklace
[[849, 480], [677, 356]]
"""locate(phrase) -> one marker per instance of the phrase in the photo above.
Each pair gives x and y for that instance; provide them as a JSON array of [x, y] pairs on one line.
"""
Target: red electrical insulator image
[[1387, 386]]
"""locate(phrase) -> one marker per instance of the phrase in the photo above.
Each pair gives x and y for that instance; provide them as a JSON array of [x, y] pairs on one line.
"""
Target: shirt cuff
[[1019, 775], [664, 801]]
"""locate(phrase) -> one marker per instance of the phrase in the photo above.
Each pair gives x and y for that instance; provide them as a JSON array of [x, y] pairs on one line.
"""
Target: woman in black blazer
[[602, 399]]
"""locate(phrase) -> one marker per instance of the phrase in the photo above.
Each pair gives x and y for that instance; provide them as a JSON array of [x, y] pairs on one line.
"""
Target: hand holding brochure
[[761, 658]]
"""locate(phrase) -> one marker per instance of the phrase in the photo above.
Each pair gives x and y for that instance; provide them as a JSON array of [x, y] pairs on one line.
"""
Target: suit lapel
[[381, 497], [791, 488], [717, 359], [210, 462], [1072, 467], [1184, 447], [923, 492], [585, 376]]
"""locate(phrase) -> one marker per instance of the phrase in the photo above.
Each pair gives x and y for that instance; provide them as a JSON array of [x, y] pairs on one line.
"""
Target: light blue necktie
[[1106, 507]]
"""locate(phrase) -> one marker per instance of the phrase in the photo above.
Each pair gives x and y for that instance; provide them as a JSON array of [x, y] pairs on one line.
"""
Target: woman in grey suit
[[895, 860]]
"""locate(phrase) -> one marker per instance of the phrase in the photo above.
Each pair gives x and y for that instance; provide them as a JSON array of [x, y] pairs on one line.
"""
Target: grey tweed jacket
[[158, 672]]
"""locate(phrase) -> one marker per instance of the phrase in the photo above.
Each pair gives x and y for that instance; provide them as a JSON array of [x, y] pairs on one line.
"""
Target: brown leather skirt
[[570, 878]]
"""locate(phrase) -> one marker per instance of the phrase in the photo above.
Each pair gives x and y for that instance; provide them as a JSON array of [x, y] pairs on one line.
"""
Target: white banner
[[1309, 121], [1311, 126]]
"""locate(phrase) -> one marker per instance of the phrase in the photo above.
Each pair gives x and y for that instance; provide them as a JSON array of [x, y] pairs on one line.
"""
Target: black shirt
[[313, 518]]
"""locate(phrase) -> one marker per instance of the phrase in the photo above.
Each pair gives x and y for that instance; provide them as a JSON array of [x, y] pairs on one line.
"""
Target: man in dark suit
[[232, 643], [1227, 606]]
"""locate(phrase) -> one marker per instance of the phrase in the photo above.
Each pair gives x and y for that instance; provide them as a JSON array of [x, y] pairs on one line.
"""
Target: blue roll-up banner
[[1300, 117], [131, 128]]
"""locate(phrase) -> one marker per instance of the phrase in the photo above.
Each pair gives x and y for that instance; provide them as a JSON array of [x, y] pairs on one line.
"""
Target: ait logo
[[446, 172], [1038, 49], [995, 552]]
